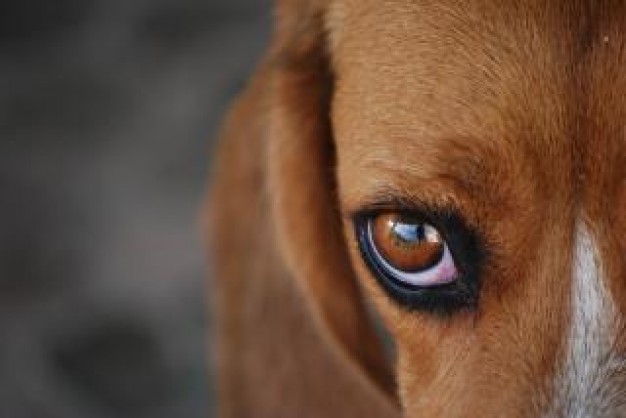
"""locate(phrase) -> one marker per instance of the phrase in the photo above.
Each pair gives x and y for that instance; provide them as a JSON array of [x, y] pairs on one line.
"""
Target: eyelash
[[465, 248]]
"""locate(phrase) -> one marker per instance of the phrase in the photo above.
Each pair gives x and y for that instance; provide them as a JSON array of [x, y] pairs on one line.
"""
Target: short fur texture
[[514, 113]]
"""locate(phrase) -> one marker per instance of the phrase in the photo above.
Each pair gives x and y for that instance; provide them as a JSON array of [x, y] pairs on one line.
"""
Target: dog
[[418, 208]]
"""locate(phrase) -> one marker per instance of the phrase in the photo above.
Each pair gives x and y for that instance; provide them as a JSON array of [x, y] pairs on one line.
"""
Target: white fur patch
[[589, 384]]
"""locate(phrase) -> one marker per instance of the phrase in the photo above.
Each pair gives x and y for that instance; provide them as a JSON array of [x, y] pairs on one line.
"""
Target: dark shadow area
[[107, 115]]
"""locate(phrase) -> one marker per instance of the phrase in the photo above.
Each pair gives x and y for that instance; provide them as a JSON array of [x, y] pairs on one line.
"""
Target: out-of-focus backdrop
[[107, 111]]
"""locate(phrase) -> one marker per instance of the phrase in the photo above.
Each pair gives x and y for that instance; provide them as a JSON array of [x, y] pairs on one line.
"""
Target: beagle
[[450, 172]]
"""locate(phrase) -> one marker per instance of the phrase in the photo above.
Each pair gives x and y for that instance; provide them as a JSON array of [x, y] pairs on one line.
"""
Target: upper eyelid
[[400, 203]]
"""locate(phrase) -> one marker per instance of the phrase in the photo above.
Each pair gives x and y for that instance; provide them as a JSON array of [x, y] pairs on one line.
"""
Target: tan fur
[[511, 111]]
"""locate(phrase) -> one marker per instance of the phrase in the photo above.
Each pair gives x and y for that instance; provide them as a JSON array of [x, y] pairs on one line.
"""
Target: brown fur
[[511, 111]]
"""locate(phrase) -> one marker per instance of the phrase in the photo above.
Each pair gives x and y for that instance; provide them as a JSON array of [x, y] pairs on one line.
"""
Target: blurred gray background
[[107, 110]]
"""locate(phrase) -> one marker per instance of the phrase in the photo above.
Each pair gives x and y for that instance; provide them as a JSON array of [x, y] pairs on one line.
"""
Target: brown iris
[[406, 243]]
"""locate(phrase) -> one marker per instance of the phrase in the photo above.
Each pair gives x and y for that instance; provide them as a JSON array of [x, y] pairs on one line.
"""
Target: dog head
[[459, 166]]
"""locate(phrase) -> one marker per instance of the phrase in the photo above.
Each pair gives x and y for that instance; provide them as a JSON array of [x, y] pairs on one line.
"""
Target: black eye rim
[[464, 245]]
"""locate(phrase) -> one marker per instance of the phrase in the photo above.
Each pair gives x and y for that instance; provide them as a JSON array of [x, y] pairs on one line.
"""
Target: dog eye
[[424, 260], [410, 251]]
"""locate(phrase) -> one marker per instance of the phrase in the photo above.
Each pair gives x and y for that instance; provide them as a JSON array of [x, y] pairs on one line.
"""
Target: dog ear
[[300, 160]]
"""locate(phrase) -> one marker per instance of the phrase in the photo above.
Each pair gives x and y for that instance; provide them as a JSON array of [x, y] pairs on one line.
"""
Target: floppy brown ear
[[303, 192]]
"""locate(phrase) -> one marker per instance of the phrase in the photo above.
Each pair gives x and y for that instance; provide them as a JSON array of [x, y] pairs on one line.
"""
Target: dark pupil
[[409, 233]]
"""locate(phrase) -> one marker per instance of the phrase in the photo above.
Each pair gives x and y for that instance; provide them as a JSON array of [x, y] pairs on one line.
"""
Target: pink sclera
[[446, 274]]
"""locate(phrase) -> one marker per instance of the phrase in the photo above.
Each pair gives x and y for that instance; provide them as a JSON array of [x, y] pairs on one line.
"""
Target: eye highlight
[[425, 260]]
